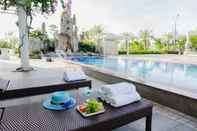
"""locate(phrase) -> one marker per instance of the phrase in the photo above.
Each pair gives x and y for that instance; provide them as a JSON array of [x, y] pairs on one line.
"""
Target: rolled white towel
[[103, 96], [121, 100], [74, 75], [118, 89]]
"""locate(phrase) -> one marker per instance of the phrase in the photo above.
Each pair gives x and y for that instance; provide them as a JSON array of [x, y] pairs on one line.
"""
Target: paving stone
[[138, 125], [183, 128], [192, 124], [124, 128], [159, 123]]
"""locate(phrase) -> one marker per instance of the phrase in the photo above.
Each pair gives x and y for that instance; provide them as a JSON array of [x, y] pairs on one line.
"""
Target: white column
[[23, 35]]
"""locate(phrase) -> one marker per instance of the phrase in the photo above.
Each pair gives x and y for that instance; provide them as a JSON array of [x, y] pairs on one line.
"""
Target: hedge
[[87, 46], [142, 52]]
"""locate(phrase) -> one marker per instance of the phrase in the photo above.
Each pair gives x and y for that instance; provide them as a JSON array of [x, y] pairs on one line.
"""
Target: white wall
[[110, 48]]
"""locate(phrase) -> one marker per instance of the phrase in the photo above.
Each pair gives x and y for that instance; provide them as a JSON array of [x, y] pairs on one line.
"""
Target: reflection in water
[[174, 75]]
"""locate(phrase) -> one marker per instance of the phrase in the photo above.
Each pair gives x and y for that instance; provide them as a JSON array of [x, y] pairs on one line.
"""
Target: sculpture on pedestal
[[68, 36]]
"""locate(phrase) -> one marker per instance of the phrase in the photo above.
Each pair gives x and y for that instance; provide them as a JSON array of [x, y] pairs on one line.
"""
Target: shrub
[[143, 52], [122, 52], [35, 55], [5, 44], [171, 52], [146, 52], [87, 46], [193, 40]]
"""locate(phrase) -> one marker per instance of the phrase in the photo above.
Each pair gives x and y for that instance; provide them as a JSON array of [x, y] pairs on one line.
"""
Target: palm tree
[[96, 33], [127, 36], [145, 36]]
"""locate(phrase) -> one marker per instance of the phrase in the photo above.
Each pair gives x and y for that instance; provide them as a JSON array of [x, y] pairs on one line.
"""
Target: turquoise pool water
[[182, 76]]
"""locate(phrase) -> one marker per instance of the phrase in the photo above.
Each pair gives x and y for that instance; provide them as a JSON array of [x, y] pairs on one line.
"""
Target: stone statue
[[68, 36]]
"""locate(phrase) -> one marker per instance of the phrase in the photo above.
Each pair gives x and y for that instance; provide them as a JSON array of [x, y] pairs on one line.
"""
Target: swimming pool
[[181, 76]]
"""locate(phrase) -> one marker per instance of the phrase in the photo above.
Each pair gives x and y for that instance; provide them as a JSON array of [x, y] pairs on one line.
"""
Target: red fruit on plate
[[82, 108]]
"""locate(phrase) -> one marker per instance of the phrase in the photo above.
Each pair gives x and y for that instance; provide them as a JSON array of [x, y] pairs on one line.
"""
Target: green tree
[[159, 44], [145, 36], [128, 37], [96, 34], [136, 45], [24, 10]]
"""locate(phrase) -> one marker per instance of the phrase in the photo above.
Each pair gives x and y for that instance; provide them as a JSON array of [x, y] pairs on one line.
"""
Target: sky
[[119, 16]]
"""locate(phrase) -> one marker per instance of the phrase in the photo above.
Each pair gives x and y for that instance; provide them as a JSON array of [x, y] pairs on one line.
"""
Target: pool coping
[[137, 80], [147, 58]]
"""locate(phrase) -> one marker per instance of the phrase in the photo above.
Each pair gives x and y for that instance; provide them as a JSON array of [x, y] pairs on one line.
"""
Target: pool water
[[182, 76]]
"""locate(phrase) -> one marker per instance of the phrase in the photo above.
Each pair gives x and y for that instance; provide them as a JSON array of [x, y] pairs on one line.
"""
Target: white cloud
[[130, 15]]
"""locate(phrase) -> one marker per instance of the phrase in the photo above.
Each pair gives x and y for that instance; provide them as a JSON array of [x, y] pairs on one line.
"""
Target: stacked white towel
[[74, 75], [119, 94]]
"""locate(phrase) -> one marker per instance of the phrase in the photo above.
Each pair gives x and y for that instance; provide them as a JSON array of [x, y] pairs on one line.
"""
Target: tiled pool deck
[[164, 118]]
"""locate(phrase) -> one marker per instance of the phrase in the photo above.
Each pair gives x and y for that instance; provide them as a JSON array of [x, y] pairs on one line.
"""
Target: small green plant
[[5, 44]]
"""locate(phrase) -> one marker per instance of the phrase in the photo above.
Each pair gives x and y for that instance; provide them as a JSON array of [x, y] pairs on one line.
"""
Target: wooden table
[[33, 117]]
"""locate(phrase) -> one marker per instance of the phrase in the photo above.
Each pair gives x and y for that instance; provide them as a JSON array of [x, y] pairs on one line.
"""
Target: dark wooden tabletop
[[33, 117]]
